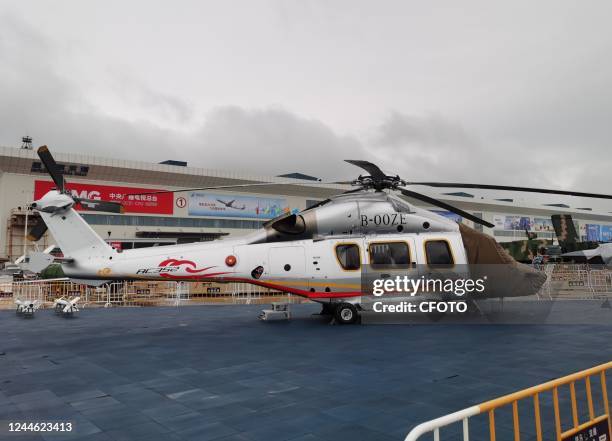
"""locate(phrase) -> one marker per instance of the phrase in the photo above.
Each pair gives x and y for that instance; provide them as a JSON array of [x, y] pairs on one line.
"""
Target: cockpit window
[[348, 256], [389, 255], [438, 252]]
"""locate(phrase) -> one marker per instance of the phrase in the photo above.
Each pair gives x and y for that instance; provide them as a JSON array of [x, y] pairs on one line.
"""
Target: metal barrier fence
[[144, 293], [564, 281], [6, 288], [571, 281], [596, 428]]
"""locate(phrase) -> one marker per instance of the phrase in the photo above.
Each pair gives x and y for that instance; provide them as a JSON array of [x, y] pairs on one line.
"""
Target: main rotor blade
[[45, 156], [96, 205], [438, 203], [372, 169], [37, 231], [255, 184], [511, 188]]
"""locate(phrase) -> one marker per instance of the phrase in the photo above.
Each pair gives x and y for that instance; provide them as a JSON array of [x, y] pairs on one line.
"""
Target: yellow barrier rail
[[594, 423]]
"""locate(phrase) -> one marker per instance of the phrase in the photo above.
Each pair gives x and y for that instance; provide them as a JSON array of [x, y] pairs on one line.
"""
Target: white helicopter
[[319, 253]]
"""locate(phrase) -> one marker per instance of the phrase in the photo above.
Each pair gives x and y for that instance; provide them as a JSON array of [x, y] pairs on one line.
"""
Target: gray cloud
[[435, 148], [262, 141], [429, 147], [430, 131], [273, 140], [425, 146], [514, 95]]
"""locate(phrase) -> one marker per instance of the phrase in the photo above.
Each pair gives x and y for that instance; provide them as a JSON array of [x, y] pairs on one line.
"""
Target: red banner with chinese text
[[153, 203]]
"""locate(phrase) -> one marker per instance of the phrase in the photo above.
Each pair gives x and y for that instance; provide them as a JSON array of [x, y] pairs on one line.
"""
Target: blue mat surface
[[217, 373]]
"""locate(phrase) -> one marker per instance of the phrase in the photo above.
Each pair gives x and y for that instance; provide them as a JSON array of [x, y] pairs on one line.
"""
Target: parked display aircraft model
[[601, 255], [572, 249], [27, 308], [569, 247], [65, 306], [318, 253], [567, 235], [526, 249]]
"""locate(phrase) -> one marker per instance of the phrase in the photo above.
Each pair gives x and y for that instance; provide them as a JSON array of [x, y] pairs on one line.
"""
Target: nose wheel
[[346, 314]]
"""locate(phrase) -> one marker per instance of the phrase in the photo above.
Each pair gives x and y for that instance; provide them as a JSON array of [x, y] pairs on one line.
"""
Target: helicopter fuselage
[[321, 253], [323, 270]]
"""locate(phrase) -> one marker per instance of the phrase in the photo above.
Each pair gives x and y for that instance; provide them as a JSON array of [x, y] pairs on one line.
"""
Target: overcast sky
[[518, 92]]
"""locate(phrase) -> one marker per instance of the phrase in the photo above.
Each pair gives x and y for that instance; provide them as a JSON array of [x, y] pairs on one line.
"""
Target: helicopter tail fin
[[74, 236]]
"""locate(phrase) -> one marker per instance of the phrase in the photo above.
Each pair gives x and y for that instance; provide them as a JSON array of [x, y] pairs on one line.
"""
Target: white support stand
[[279, 311]]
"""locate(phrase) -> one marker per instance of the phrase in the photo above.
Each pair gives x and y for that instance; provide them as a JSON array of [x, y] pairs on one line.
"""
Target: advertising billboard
[[223, 205], [151, 204], [593, 232], [599, 233], [542, 224], [498, 221], [606, 233], [517, 223]]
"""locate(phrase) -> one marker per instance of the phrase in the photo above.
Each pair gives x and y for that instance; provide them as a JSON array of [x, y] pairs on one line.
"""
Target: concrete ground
[[217, 373]]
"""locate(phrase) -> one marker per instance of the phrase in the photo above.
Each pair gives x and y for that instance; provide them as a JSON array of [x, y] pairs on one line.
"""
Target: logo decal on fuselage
[[158, 270], [189, 265], [168, 267]]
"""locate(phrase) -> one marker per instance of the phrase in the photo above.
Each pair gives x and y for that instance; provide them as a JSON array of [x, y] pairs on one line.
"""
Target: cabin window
[[389, 254], [348, 256], [438, 252]]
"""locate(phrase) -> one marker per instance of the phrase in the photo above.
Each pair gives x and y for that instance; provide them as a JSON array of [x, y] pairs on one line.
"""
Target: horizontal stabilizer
[[584, 253], [89, 282], [36, 262], [603, 251]]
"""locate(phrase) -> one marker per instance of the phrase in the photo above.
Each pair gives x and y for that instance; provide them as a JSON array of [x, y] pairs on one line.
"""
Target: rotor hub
[[379, 183]]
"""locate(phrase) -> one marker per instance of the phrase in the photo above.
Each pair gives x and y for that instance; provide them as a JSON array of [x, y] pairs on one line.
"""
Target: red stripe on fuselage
[[296, 291], [194, 277], [211, 277]]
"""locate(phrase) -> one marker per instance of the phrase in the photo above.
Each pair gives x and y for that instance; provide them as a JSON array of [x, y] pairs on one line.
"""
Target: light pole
[[25, 228]]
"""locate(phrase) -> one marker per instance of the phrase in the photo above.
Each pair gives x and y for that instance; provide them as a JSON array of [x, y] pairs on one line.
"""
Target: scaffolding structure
[[19, 222]]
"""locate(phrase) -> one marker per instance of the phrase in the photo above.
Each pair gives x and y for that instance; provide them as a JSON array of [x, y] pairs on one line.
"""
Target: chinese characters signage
[[596, 431], [153, 203]]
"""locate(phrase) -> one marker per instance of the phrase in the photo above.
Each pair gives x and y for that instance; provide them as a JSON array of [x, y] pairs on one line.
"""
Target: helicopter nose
[[532, 280], [516, 280]]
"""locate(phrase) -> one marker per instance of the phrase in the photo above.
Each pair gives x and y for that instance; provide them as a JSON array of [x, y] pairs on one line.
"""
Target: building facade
[[166, 218]]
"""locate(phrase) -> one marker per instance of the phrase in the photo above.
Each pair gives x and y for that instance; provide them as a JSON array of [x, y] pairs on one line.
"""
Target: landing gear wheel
[[346, 314]]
